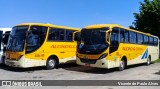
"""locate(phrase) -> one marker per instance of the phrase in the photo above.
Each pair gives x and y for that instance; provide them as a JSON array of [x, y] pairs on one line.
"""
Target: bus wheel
[[149, 60], [122, 65], [51, 63]]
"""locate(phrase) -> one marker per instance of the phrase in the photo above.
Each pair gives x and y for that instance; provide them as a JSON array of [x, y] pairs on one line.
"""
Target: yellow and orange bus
[[112, 45], [38, 44]]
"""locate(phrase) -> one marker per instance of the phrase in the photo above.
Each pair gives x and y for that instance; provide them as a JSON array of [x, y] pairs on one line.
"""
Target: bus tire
[[51, 63], [122, 65], [149, 60]]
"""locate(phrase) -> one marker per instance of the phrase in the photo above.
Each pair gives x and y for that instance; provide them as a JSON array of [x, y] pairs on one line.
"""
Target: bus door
[[114, 44]]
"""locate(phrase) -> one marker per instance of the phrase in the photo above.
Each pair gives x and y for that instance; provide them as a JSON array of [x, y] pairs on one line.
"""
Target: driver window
[[114, 40], [36, 37], [33, 37], [115, 37]]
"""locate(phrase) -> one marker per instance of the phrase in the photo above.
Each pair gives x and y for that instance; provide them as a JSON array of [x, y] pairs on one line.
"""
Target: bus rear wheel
[[122, 65], [51, 63]]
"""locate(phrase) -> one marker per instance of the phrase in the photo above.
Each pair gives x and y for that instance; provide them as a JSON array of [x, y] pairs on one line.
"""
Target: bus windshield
[[17, 38], [93, 41]]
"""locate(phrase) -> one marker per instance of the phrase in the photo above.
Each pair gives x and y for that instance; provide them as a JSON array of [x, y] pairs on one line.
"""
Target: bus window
[[114, 40], [145, 39], [36, 37], [133, 37], [126, 36], [69, 35], [56, 34], [62, 35], [139, 38], [155, 41], [122, 35], [151, 40]]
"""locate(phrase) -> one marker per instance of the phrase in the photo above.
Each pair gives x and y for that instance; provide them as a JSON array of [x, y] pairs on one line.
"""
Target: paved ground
[[75, 72]]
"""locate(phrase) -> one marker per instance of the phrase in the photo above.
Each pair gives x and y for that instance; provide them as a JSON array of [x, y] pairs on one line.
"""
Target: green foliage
[[148, 18], [157, 61]]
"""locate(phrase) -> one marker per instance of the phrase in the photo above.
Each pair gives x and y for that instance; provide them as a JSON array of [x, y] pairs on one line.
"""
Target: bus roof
[[114, 25], [101, 26], [48, 25]]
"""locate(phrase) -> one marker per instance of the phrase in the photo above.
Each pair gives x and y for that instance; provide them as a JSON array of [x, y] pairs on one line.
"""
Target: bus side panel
[[132, 52], [62, 50], [153, 51]]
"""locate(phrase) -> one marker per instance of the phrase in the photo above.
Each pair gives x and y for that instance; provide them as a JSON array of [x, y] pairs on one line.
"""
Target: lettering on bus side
[[39, 55], [132, 48], [63, 46]]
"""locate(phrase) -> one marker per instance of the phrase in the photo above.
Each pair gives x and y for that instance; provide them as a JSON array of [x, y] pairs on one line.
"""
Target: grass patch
[[157, 61]]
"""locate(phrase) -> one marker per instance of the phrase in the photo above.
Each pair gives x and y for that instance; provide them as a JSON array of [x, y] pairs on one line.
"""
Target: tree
[[148, 18]]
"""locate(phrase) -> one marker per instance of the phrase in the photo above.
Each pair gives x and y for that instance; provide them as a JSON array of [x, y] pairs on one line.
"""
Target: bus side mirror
[[76, 36], [107, 37]]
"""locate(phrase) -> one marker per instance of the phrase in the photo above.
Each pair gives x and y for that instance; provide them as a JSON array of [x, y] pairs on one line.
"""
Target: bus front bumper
[[13, 63], [25, 62], [102, 63]]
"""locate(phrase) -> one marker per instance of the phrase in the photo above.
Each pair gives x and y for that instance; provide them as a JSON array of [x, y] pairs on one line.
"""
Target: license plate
[[87, 64]]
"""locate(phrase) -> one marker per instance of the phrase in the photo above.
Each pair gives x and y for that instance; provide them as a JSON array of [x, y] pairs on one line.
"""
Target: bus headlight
[[103, 55]]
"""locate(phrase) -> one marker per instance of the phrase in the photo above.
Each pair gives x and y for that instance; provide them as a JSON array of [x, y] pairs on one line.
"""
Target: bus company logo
[[132, 48], [6, 83], [63, 46]]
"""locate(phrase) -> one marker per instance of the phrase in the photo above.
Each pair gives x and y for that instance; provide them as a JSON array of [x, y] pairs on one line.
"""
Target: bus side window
[[151, 41], [139, 38], [155, 41], [53, 34], [115, 37], [114, 40], [133, 37], [61, 32], [69, 34], [145, 40], [122, 35], [126, 36], [56, 34]]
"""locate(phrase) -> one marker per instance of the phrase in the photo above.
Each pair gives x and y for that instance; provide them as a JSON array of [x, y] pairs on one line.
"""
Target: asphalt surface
[[75, 72]]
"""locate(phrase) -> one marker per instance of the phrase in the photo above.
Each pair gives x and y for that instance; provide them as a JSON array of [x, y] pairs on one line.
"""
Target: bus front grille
[[88, 61]]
